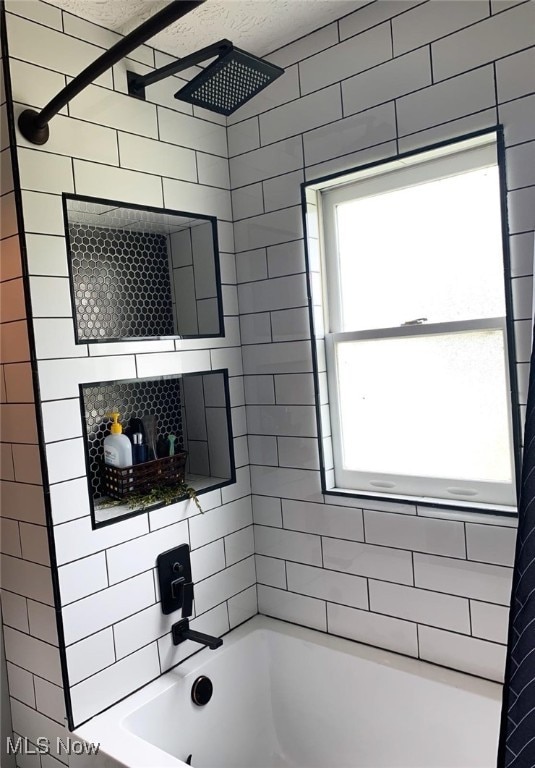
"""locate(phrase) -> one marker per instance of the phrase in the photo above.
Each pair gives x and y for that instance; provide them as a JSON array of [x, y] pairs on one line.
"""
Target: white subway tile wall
[[409, 74], [29, 617], [149, 153], [391, 575]]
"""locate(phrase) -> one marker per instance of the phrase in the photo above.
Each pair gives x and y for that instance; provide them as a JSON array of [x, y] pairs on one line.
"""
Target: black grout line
[[28, 615], [380, 613], [504, 10], [519, 144], [74, 37], [383, 581], [29, 634], [279, 309], [159, 656], [392, 546], [395, 105], [102, 164], [15, 279], [33, 706], [158, 133], [470, 617], [264, 212], [257, 118], [122, 355], [224, 549], [227, 605], [519, 189], [115, 659], [105, 552], [33, 673]]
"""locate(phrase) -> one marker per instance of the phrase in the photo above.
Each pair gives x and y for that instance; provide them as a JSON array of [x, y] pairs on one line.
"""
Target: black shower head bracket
[[138, 83], [34, 125], [223, 86]]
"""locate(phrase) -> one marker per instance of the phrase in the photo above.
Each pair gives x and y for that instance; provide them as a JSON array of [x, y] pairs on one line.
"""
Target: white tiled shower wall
[[390, 77], [33, 665], [157, 153]]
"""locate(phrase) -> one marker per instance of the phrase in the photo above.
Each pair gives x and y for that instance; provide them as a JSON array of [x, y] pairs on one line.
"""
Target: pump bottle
[[117, 447]]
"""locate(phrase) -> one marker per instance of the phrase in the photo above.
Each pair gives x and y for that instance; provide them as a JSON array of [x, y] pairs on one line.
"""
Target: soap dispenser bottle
[[117, 447]]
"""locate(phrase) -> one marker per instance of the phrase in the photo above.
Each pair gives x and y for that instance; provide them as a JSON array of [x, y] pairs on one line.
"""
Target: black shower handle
[[187, 599], [177, 587]]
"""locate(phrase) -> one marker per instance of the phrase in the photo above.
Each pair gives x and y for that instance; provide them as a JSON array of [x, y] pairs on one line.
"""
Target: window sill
[[468, 512]]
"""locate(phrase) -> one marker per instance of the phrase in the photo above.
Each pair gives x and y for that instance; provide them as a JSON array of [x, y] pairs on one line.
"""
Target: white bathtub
[[287, 697]]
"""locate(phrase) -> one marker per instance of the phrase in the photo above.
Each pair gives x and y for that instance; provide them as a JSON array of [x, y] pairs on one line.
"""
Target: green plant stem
[[157, 495]]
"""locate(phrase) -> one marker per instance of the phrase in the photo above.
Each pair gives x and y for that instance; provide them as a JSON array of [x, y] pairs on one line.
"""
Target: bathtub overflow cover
[[201, 691]]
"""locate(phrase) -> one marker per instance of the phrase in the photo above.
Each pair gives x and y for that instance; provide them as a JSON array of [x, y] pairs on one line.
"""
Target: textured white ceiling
[[259, 26]]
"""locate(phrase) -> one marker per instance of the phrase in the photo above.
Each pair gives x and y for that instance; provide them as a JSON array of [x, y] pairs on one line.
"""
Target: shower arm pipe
[[34, 125], [137, 83]]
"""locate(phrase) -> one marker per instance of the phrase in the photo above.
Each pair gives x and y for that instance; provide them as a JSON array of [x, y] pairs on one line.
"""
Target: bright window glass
[[432, 405], [421, 252]]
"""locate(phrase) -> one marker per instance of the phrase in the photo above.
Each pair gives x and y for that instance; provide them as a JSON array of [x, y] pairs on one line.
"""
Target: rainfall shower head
[[229, 81], [233, 78]]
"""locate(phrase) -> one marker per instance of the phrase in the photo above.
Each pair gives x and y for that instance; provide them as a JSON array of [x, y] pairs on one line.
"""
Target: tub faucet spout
[[181, 631]]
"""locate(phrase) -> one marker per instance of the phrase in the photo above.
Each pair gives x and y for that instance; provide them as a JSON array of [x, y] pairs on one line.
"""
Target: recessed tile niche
[[141, 273], [194, 407]]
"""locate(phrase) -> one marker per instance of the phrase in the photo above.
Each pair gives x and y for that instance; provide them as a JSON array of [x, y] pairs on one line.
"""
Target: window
[[415, 328]]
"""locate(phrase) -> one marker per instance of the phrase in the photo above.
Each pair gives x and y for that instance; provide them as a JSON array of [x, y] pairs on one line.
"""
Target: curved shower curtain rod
[[34, 125]]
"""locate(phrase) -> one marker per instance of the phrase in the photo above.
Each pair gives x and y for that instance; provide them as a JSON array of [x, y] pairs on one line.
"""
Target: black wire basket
[[120, 482]]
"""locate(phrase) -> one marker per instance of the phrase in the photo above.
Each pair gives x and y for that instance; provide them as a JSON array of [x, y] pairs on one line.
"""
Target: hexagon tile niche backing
[[121, 283], [131, 398]]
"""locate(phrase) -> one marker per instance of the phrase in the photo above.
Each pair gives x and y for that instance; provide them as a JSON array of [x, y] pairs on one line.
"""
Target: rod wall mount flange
[[30, 129]]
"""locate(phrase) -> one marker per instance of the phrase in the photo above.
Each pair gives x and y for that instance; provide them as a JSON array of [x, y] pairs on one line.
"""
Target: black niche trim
[[147, 209], [85, 436]]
